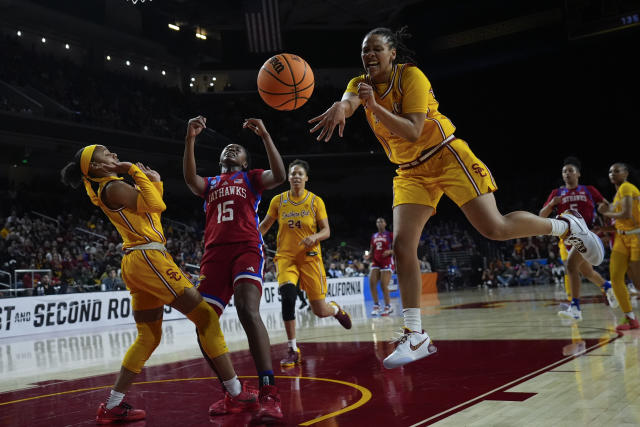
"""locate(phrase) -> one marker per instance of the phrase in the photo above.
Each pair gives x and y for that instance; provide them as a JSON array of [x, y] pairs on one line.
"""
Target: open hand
[[327, 122]]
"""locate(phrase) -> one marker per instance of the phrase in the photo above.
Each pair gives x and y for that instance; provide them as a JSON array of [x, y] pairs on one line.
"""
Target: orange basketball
[[285, 82]]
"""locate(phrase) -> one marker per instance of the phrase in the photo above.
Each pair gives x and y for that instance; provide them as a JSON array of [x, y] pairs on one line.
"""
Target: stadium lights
[[213, 78], [174, 27], [127, 62], [19, 33], [201, 36], [44, 40], [211, 84], [164, 73], [193, 79], [108, 57], [146, 68], [190, 84], [66, 46]]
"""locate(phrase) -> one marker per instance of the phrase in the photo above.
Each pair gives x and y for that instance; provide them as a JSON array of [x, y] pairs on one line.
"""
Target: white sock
[[292, 344], [412, 319], [631, 315], [558, 227], [114, 399], [233, 386]]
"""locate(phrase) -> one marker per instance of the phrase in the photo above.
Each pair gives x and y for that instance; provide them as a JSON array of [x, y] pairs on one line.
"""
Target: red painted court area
[[345, 376]]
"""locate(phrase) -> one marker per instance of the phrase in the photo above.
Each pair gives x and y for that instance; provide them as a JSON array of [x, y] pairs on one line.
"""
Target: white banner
[[42, 314]]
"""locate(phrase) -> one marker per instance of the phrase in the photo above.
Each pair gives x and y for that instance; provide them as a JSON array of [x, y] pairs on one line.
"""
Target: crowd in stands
[[91, 94]]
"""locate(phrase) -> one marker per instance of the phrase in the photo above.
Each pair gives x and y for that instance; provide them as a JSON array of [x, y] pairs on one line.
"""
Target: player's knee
[[493, 231], [403, 247], [149, 336], [288, 294]]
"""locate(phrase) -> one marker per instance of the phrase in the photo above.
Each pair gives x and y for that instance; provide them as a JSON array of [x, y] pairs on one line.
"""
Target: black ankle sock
[[266, 378]]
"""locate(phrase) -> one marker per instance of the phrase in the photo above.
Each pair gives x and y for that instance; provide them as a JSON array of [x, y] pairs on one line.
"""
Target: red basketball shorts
[[223, 267]]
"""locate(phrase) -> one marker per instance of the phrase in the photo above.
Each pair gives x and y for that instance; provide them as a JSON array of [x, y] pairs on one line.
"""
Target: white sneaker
[[579, 236], [573, 313], [632, 289], [387, 310], [410, 346], [376, 310], [611, 297]]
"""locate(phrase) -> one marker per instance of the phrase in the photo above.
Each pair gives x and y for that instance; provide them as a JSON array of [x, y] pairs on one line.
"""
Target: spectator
[[523, 275], [531, 251], [112, 282], [334, 272], [44, 286]]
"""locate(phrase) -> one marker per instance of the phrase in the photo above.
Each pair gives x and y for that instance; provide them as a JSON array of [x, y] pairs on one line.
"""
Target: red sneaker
[[294, 357], [121, 413], [628, 324], [342, 316], [246, 401], [270, 411]]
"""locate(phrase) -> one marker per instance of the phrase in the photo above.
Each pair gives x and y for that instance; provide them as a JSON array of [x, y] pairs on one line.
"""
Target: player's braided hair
[[573, 161], [395, 40]]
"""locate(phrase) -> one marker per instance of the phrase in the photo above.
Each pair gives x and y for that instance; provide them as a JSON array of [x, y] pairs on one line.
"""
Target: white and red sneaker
[[578, 235], [410, 346]]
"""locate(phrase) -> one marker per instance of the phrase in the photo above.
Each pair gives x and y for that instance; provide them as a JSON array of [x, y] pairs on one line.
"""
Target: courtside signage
[[41, 314]]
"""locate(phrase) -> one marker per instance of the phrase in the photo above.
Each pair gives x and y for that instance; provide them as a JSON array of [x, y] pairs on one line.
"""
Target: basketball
[[285, 82]]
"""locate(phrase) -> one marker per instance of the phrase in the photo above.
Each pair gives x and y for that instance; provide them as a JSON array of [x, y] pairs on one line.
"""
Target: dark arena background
[[526, 83]]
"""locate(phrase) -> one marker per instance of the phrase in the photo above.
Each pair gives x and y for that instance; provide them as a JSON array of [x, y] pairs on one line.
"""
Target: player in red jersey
[[381, 256], [582, 199], [233, 260]]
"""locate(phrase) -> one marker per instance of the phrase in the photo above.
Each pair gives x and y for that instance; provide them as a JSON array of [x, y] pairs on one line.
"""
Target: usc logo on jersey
[[173, 274], [479, 170]]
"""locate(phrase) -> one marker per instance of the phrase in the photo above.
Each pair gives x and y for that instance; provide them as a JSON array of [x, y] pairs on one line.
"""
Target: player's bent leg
[[482, 212], [594, 277], [288, 295], [574, 260]]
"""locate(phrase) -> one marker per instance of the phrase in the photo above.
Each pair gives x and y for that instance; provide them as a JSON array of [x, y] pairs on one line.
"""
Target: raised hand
[[327, 122], [256, 126], [195, 126], [153, 175], [118, 167]]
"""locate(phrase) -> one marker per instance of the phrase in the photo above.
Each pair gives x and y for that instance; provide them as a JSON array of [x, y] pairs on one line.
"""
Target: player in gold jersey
[[625, 210], [404, 115], [151, 275], [302, 224]]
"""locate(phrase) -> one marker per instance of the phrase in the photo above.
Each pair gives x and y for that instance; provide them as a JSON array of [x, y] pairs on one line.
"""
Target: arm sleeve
[[626, 190], [415, 89], [321, 210], [597, 197], [352, 87], [551, 196], [149, 198], [273, 207], [159, 186]]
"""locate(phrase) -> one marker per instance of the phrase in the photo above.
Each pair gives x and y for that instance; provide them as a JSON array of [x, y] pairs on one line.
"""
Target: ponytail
[[395, 40], [71, 174]]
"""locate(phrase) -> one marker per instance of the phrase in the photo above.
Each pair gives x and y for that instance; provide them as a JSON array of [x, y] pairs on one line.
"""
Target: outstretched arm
[[336, 115], [277, 173], [195, 182]]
